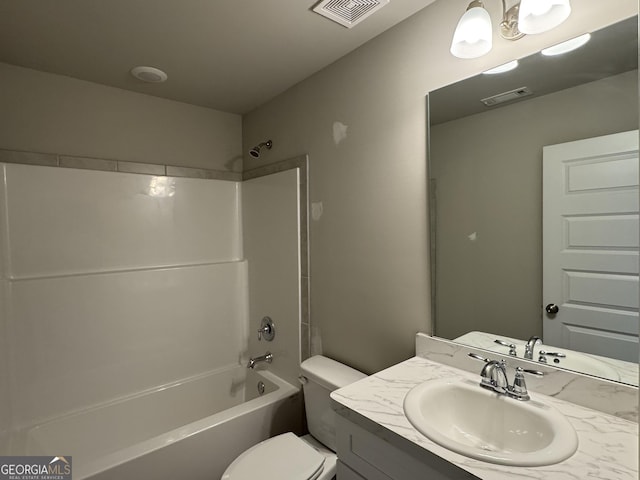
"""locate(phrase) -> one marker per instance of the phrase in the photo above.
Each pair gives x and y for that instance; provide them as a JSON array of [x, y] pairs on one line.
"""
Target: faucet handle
[[267, 329], [519, 388], [511, 346], [552, 354], [478, 357]]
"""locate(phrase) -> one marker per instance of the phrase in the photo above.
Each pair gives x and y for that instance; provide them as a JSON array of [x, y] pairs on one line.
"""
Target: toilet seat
[[283, 457]]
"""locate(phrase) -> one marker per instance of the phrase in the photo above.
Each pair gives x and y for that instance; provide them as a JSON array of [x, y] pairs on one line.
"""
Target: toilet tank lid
[[329, 373]]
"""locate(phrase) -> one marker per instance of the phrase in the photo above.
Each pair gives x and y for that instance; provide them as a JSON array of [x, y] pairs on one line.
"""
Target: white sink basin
[[478, 423]]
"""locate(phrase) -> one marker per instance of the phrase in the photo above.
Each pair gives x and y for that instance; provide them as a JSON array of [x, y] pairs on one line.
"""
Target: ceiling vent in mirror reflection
[[348, 13], [507, 96]]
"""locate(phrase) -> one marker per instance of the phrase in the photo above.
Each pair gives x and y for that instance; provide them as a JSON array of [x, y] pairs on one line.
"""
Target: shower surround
[[117, 284]]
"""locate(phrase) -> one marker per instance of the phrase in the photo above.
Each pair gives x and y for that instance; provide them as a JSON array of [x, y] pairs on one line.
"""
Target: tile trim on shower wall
[[108, 165], [301, 162]]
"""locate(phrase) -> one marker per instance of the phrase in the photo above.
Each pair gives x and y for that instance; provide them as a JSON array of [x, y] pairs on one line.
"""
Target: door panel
[[603, 174], [602, 232], [601, 289], [599, 342], [590, 243]]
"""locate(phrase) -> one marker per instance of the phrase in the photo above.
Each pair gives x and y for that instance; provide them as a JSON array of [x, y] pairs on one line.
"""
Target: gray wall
[[43, 112], [488, 171], [369, 258], [369, 262]]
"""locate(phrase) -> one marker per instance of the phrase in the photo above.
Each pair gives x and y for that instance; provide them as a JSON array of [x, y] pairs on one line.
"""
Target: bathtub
[[190, 429]]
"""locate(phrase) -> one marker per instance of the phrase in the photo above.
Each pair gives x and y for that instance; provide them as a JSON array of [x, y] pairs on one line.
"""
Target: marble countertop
[[608, 445]]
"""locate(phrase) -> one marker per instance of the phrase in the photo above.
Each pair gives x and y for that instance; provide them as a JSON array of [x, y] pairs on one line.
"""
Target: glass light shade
[[537, 16], [506, 67], [568, 46], [473, 37]]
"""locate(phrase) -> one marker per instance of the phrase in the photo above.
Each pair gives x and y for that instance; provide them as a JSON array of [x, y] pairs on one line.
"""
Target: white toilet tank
[[323, 376]]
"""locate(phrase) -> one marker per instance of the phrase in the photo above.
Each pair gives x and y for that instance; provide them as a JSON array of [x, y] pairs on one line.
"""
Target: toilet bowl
[[311, 457], [284, 457]]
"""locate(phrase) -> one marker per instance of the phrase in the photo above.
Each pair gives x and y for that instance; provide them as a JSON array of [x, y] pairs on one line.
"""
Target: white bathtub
[[191, 429]]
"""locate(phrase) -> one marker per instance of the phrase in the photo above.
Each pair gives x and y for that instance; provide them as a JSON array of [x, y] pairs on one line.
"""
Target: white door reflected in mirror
[[590, 245]]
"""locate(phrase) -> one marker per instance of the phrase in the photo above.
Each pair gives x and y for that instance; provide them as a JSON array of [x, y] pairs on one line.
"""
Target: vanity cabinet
[[364, 455], [376, 441], [345, 473]]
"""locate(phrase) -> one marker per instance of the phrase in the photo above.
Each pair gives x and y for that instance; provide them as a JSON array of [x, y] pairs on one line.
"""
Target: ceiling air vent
[[507, 96], [348, 12]]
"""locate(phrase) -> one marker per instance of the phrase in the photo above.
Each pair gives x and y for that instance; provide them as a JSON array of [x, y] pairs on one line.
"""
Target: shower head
[[255, 151]]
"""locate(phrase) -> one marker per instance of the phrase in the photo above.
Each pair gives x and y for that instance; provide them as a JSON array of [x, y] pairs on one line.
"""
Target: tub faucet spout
[[253, 361]]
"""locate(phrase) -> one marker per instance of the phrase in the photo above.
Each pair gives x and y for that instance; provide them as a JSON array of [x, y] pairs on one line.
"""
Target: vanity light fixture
[[539, 16], [568, 46], [473, 35], [507, 67]]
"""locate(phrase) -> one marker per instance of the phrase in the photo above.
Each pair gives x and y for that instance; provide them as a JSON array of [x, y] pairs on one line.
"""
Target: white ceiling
[[231, 55]]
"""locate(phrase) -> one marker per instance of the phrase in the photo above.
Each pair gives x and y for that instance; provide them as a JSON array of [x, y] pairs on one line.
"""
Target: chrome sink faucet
[[542, 358], [253, 361], [531, 344], [494, 377]]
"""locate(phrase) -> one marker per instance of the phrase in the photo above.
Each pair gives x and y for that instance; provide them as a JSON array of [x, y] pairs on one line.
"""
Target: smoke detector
[[149, 74], [348, 13]]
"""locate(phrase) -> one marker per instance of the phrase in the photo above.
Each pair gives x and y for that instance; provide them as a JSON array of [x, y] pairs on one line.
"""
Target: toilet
[[310, 457]]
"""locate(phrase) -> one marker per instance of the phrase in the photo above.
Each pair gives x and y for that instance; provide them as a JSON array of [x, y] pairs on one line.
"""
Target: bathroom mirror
[[486, 204]]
